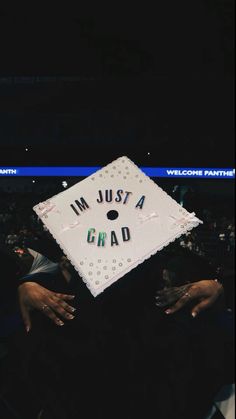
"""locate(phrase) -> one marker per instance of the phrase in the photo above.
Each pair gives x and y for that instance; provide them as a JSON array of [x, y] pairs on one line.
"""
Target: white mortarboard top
[[112, 221]]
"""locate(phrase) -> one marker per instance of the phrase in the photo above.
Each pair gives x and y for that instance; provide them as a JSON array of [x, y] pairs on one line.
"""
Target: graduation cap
[[112, 221]]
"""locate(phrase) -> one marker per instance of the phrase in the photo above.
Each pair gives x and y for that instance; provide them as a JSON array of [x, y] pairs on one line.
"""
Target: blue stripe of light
[[83, 171]]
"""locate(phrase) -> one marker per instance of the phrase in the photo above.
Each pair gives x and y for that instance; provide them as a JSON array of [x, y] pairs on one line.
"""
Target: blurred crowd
[[18, 222], [214, 239]]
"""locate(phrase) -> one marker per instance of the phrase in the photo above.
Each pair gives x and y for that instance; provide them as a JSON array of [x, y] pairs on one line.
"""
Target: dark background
[[87, 86]]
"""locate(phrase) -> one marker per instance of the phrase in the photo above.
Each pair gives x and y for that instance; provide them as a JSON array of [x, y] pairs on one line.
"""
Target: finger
[[66, 306], [203, 305], [165, 301], [50, 313], [165, 291], [26, 317], [161, 304], [177, 291], [58, 308], [170, 297], [65, 296], [180, 304]]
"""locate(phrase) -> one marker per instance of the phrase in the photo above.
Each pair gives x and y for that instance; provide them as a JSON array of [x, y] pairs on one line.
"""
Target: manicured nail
[[194, 314], [69, 316], [73, 309], [60, 323], [27, 329], [168, 311]]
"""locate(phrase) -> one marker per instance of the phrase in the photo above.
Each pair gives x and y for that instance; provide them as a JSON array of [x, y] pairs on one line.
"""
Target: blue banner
[[83, 171]]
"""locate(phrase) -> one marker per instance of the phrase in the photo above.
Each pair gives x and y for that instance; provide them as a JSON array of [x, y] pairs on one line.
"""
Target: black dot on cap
[[112, 215]]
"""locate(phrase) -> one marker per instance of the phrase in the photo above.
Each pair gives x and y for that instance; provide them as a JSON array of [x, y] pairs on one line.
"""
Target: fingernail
[[194, 314], [27, 329], [168, 311], [60, 323], [69, 316], [73, 309]]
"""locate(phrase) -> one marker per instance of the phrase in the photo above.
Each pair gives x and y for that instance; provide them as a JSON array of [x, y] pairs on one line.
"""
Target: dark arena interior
[[157, 87]]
